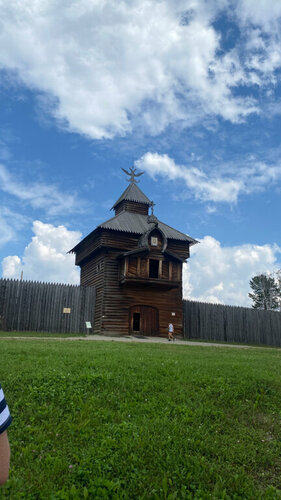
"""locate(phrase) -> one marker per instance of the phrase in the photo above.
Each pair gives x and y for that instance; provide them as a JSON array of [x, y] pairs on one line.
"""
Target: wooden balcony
[[150, 272], [160, 283]]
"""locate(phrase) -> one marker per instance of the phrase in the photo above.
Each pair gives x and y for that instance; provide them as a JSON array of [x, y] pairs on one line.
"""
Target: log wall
[[118, 299], [114, 301], [93, 275], [131, 206]]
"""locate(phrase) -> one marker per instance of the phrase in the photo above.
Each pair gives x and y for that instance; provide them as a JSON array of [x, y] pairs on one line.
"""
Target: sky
[[187, 91]]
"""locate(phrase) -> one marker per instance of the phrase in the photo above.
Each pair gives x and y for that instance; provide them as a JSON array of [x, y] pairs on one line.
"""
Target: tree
[[278, 281], [266, 292]]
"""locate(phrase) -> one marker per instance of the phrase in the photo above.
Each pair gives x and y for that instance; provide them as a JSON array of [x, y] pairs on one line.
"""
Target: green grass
[[41, 334], [231, 342], [109, 420]]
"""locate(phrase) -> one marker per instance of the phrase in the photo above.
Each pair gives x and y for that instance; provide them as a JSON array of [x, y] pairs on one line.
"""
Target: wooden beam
[[126, 266], [170, 270], [138, 266], [147, 268], [160, 268]]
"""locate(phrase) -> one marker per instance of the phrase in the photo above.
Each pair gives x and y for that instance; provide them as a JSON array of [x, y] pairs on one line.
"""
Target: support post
[[170, 270], [160, 269]]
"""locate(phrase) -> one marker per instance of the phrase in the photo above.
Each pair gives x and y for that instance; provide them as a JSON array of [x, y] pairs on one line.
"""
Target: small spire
[[132, 175], [152, 204], [152, 219]]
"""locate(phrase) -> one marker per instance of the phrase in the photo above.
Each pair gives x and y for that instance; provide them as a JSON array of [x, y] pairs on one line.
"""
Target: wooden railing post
[[170, 270], [147, 268], [160, 268]]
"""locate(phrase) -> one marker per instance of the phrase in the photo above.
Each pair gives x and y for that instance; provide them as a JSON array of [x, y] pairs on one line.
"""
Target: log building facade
[[135, 263]]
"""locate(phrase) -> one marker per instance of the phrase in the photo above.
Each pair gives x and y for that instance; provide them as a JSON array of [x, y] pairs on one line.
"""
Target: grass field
[[41, 334], [112, 420]]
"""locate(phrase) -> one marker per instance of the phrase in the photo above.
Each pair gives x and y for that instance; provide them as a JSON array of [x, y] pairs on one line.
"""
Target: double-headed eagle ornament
[[132, 175]]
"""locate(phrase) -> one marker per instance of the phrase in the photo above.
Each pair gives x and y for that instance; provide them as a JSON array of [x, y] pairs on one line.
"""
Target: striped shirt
[[5, 417]]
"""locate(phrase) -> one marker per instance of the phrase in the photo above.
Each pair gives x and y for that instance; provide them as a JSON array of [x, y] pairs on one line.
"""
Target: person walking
[[171, 332], [5, 421]]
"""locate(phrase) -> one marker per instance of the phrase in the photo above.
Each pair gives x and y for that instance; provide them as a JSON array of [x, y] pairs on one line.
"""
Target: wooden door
[[144, 320]]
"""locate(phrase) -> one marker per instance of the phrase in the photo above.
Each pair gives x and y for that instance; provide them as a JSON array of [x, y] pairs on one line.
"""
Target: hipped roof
[[133, 193], [135, 223], [129, 222]]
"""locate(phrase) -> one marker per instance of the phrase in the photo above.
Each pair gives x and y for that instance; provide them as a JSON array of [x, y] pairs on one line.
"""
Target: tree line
[[266, 291]]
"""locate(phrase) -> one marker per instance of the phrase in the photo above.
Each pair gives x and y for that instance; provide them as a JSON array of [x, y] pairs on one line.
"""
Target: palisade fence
[[231, 324], [57, 308], [45, 307]]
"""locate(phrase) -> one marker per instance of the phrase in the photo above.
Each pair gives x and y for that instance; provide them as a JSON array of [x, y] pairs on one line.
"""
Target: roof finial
[[152, 219], [132, 174]]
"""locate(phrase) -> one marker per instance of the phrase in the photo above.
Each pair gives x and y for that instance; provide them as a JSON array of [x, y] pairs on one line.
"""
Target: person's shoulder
[[5, 416]]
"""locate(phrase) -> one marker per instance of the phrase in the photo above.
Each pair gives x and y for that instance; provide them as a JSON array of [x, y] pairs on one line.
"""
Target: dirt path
[[144, 340]]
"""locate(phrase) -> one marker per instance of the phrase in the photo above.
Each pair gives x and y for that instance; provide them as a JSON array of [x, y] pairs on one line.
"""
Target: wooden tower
[[135, 263]]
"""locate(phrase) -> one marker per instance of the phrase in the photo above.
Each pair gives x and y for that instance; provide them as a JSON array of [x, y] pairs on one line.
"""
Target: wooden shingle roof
[[132, 193], [130, 222]]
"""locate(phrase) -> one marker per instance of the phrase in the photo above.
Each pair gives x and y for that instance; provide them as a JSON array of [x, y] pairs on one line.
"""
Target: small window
[[153, 268]]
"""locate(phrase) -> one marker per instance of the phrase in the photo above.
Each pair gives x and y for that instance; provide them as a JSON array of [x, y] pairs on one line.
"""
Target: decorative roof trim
[[145, 236]]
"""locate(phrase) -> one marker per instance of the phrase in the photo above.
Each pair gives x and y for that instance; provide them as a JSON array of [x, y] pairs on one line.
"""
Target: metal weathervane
[[132, 175]]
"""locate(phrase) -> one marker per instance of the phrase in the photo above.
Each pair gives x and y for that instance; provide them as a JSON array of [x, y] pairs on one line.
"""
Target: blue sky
[[188, 91]]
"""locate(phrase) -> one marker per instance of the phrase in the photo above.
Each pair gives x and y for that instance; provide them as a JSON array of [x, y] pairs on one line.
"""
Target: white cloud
[[37, 194], [10, 223], [223, 185], [45, 257], [264, 13], [261, 28], [6, 231], [221, 274], [107, 66], [12, 267]]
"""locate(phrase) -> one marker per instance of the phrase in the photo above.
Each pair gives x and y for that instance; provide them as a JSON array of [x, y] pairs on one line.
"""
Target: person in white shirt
[[171, 332]]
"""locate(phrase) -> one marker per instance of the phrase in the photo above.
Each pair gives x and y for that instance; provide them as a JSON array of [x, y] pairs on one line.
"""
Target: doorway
[[144, 320], [136, 322], [153, 268]]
